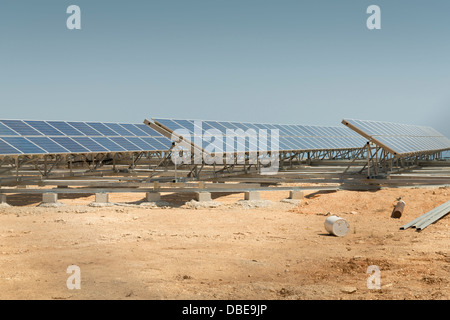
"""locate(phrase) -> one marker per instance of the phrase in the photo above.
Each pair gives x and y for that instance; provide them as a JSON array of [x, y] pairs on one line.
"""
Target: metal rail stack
[[428, 218]]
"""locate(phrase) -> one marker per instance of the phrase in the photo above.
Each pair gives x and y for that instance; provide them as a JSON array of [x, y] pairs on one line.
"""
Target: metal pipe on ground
[[432, 218], [398, 209], [422, 217], [428, 218]]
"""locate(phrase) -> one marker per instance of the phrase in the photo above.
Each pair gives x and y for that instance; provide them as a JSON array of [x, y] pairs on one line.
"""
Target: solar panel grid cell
[[85, 128], [132, 128], [149, 131], [119, 129], [70, 144], [90, 144], [65, 128], [140, 143], [21, 128], [5, 131], [100, 127], [108, 144], [7, 149], [23, 145], [48, 145], [44, 128], [127, 145]]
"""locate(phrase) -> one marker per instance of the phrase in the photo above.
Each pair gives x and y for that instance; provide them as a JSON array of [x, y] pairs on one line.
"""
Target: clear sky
[[276, 61]]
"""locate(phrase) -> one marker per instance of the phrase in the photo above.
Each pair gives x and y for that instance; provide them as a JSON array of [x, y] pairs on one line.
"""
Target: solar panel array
[[400, 139], [291, 137], [30, 137]]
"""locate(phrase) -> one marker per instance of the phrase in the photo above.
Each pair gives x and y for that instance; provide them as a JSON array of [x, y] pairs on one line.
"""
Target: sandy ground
[[281, 251]]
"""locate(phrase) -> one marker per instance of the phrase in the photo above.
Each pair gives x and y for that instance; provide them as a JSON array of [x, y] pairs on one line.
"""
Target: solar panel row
[[59, 137], [290, 137], [63, 128], [400, 138]]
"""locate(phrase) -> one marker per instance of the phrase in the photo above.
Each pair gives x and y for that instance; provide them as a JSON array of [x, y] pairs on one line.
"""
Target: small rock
[[348, 290], [129, 294]]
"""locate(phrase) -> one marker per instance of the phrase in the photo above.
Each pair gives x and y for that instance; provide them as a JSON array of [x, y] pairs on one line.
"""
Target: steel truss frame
[[381, 162]]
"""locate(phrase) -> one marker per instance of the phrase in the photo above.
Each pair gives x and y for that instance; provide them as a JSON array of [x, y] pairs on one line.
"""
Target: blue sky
[[304, 62]]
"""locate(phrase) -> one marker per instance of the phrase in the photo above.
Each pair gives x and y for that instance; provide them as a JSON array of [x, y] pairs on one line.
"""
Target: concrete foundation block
[[296, 195], [50, 198], [203, 196], [252, 195], [153, 196], [102, 198], [2, 198]]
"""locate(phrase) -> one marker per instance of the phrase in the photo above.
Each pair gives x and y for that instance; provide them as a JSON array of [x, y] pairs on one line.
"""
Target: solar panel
[[400, 139], [70, 144], [7, 149], [35, 137], [44, 128], [149, 131], [48, 145], [108, 144], [291, 137], [119, 129], [90, 144], [85, 128], [5, 131], [66, 128], [23, 145], [132, 128], [21, 128], [127, 145], [140, 143], [100, 127]]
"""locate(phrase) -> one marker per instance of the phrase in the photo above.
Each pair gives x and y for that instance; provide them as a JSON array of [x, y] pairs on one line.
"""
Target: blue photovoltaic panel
[[166, 143], [90, 144], [108, 144], [170, 124], [119, 129], [48, 145], [5, 131], [127, 145], [6, 148], [70, 145], [148, 130], [400, 138], [155, 145], [85, 129], [21, 128], [153, 142], [291, 137], [134, 129], [141, 143], [100, 127], [44, 128], [61, 137], [23, 145], [65, 128]]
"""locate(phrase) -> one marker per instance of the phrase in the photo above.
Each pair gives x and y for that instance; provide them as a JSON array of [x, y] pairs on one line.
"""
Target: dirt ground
[[281, 251]]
